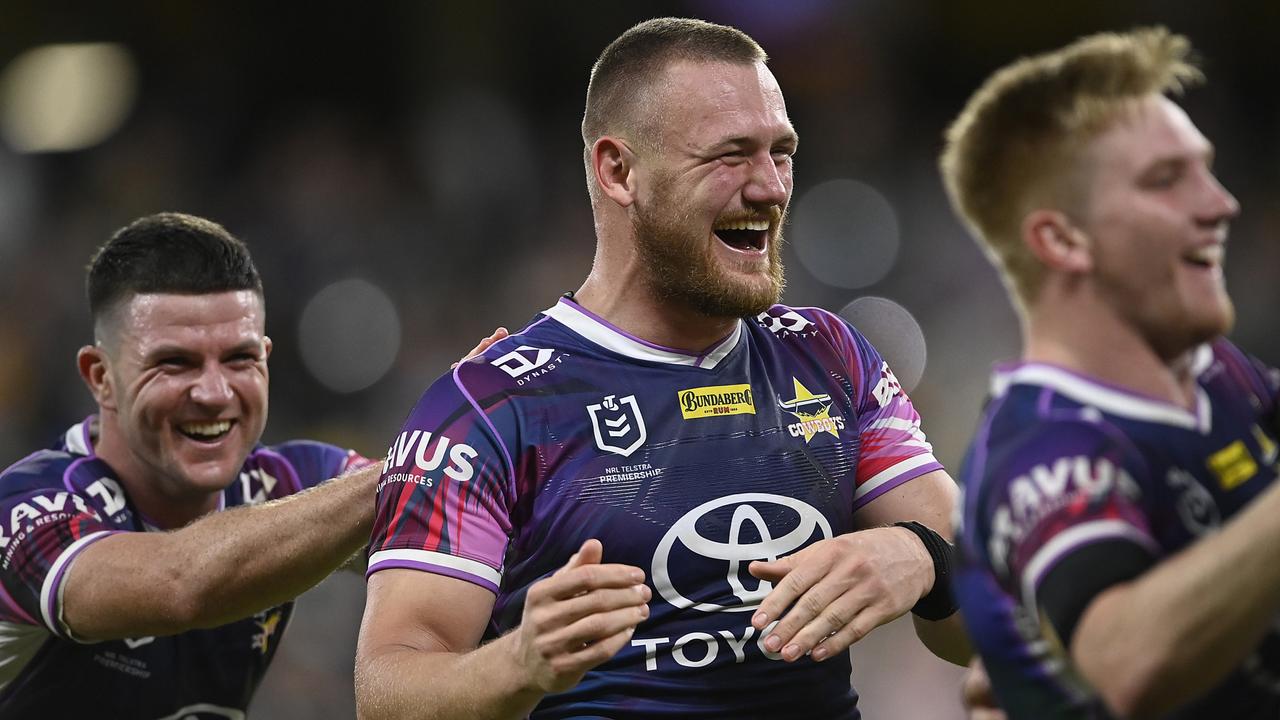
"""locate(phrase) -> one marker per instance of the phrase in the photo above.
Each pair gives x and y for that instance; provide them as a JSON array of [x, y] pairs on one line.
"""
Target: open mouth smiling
[[744, 235], [207, 432]]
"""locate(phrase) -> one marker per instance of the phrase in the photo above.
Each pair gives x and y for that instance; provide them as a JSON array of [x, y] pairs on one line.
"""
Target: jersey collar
[[611, 337], [1111, 399]]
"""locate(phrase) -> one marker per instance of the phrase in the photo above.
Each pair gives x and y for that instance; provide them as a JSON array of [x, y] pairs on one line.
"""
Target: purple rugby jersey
[[1062, 461], [56, 502], [687, 466]]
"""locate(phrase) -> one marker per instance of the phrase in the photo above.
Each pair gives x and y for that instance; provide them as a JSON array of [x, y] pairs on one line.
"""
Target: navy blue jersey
[[688, 466], [56, 502], [1062, 462]]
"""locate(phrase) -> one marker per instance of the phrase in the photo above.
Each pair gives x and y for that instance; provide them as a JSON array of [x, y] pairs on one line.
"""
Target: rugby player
[[1119, 519], [668, 495]]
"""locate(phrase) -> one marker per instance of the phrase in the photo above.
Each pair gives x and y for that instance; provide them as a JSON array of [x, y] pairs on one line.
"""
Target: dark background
[[430, 153]]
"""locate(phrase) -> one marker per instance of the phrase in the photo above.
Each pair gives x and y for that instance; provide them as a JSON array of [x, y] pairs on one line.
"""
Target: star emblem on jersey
[[813, 411], [618, 424]]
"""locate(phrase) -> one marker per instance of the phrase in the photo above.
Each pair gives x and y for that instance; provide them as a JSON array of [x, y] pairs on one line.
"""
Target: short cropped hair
[[168, 253], [1015, 146], [628, 68]]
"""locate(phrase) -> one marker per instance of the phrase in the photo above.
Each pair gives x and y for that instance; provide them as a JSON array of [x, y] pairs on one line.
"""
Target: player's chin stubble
[[681, 267]]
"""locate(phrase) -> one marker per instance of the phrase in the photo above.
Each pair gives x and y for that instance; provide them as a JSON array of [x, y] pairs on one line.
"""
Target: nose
[[1220, 205], [770, 182], [212, 388]]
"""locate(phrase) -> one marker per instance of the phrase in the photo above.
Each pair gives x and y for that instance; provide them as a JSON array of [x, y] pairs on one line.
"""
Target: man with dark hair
[[151, 557], [1120, 495], [668, 495]]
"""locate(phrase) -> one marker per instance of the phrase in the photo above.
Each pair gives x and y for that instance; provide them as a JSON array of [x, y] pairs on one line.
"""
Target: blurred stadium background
[[409, 175]]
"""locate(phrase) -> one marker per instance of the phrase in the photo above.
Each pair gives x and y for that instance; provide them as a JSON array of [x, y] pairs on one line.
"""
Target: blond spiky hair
[[1014, 146]]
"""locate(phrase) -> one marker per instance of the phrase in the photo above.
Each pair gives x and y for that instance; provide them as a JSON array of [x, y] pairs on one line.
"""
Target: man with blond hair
[[1118, 523], [668, 496]]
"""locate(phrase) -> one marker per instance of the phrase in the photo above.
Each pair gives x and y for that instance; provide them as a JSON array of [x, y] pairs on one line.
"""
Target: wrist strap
[[939, 603]]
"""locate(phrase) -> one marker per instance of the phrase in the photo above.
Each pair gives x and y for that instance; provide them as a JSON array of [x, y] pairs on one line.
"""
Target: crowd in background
[[431, 152]]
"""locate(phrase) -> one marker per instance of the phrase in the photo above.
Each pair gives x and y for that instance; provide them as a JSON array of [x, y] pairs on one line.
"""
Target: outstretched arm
[[223, 567], [1174, 632], [840, 589], [418, 654]]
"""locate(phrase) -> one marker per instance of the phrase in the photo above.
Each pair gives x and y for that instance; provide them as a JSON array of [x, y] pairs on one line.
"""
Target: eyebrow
[[788, 138], [166, 350]]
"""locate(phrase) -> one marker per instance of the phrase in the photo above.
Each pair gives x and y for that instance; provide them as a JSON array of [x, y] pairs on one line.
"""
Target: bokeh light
[[57, 98], [845, 233], [893, 331], [349, 335]]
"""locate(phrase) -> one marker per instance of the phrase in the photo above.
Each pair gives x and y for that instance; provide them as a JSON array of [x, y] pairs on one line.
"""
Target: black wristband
[[939, 603]]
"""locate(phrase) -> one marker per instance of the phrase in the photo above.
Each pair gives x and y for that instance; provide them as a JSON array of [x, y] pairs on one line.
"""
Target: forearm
[[945, 638], [407, 682], [255, 557], [1157, 642], [223, 567]]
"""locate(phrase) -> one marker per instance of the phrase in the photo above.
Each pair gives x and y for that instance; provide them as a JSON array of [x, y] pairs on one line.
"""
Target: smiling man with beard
[[668, 495]]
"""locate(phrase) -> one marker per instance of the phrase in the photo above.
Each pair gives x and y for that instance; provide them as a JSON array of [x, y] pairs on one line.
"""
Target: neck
[[1091, 339], [145, 490], [617, 291]]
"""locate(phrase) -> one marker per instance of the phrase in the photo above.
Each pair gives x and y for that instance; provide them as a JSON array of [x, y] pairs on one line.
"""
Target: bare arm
[[1159, 641], [845, 587], [930, 500], [223, 567], [418, 655]]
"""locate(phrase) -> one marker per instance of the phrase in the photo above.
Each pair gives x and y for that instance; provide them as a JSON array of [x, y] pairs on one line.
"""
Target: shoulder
[[50, 469], [1226, 370], [785, 322], [534, 357]]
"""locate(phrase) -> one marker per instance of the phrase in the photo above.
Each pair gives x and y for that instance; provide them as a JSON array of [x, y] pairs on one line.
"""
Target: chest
[[686, 469], [1202, 480]]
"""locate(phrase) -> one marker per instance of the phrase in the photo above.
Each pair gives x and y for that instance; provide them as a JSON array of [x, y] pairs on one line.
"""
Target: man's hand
[[580, 617], [483, 345], [976, 693], [841, 589]]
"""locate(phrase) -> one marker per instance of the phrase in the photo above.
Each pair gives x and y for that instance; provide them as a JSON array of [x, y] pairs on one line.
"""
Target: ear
[[1057, 242], [614, 167], [94, 367], [266, 347]]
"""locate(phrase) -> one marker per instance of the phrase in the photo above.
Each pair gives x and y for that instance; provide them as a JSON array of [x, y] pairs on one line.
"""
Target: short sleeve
[[43, 530], [894, 448], [1067, 486], [445, 496]]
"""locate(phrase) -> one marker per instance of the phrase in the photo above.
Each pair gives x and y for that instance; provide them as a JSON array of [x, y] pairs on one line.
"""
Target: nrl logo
[[617, 421]]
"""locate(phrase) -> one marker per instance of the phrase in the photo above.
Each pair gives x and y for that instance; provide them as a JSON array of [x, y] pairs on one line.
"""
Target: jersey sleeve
[[894, 448], [1068, 486], [43, 528], [445, 496]]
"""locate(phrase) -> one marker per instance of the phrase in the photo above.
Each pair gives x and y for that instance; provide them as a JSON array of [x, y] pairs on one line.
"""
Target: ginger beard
[[682, 265]]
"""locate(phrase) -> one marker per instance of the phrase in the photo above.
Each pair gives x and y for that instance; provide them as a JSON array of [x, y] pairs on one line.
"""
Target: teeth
[[743, 225], [212, 429], [1209, 255]]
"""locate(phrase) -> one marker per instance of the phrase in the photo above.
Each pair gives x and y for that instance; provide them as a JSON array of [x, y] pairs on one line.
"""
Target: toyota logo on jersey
[[728, 533]]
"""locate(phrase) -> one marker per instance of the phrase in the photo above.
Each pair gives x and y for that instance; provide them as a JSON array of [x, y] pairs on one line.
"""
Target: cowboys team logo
[[814, 413], [728, 533], [618, 424]]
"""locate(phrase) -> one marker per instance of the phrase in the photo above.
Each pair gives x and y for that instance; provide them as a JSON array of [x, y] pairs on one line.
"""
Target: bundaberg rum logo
[[716, 400]]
